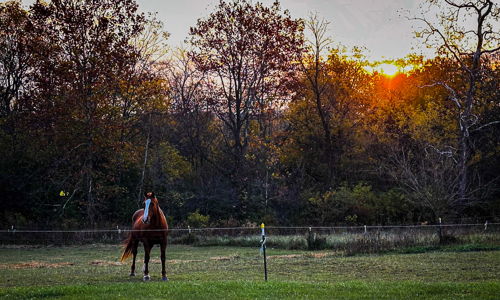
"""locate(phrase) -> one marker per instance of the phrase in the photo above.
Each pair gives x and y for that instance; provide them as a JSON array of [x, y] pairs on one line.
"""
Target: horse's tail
[[128, 248]]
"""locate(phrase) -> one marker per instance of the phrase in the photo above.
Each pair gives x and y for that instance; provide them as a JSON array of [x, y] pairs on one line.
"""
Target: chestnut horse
[[150, 227]]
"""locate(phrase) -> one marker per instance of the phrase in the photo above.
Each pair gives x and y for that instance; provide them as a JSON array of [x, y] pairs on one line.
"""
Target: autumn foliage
[[250, 122]]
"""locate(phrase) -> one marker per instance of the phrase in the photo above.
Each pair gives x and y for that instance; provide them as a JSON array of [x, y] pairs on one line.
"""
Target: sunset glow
[[387, 69]]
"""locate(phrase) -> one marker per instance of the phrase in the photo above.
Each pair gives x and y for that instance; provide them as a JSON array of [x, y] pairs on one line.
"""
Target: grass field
[[93, 272]]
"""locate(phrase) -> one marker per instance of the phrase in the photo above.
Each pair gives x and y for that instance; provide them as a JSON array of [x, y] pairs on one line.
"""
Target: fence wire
[[294, 237]]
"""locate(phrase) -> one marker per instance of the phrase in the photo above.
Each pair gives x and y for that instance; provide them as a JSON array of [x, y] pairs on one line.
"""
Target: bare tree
[[315, 71], [467, 47], [426, 175], [336, 87], [249, 51], [189, 107], [14, 56]]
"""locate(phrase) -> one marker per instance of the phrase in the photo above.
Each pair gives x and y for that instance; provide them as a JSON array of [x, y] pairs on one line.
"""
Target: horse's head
[[150, 207]]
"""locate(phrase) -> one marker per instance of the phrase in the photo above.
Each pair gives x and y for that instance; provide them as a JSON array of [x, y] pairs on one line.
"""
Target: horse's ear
[[149, 195]]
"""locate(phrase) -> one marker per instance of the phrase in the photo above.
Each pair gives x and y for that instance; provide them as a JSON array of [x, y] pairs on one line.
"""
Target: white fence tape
[[120, 230]]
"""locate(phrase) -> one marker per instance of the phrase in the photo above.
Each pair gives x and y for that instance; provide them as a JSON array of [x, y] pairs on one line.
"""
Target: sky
[[380, 26]]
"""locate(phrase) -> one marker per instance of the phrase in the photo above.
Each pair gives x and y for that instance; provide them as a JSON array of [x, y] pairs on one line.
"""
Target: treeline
[[259, 119]]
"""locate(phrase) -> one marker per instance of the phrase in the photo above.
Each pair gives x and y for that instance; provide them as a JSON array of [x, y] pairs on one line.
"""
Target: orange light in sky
[[387, 69]]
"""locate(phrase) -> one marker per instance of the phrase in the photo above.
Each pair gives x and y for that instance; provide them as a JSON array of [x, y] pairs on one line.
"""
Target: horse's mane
[[158, 214]]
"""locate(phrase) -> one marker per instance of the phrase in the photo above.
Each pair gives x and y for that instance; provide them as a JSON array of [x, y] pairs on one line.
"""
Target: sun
[[387, 69]]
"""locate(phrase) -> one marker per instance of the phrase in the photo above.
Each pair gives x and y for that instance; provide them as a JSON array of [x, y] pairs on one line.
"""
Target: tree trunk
[[144, 164]]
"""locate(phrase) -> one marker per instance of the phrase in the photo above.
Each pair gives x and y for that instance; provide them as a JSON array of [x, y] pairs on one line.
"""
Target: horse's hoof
[[132, 274], [164, 278], [146, 278]]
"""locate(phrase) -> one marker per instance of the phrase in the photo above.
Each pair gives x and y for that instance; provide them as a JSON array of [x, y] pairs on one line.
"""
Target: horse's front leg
[[147, 250], [163, 246], [134, 255]]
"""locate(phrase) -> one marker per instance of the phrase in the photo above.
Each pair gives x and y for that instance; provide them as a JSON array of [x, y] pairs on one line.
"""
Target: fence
[[351, 239]]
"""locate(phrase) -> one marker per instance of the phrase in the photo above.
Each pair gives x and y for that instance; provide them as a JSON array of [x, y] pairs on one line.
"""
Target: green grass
[[261, 290], [448, 248], [236, 273]]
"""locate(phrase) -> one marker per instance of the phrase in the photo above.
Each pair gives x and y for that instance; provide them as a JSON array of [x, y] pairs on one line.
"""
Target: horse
[[150, 227]]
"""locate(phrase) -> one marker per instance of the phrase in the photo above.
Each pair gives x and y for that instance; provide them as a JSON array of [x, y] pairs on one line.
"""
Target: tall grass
[[291, 242], [348, 243], [349, 240]]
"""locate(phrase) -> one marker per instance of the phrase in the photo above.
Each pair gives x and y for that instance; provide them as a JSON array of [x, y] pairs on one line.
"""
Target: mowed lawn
[[94, 272]]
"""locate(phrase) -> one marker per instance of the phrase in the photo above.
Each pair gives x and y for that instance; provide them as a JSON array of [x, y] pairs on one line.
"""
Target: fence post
[[310, 239], [365, 229], [263, 249], [485, 225], [440, 231], [13, 233]]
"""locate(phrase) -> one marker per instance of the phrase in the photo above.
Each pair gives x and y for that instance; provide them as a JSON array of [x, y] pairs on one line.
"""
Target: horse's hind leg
[[147, 250], [134, 255], [163, 246]]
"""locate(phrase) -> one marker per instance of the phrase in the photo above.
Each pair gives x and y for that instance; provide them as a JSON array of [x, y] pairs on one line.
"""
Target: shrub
[[197, 220]]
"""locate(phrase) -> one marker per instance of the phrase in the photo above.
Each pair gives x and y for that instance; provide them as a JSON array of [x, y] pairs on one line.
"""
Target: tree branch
[[454, 96], [491, 50], [451, 48], [486, 125]]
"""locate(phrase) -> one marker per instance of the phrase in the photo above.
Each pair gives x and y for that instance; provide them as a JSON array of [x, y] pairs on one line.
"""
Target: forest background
[[259, 118]]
